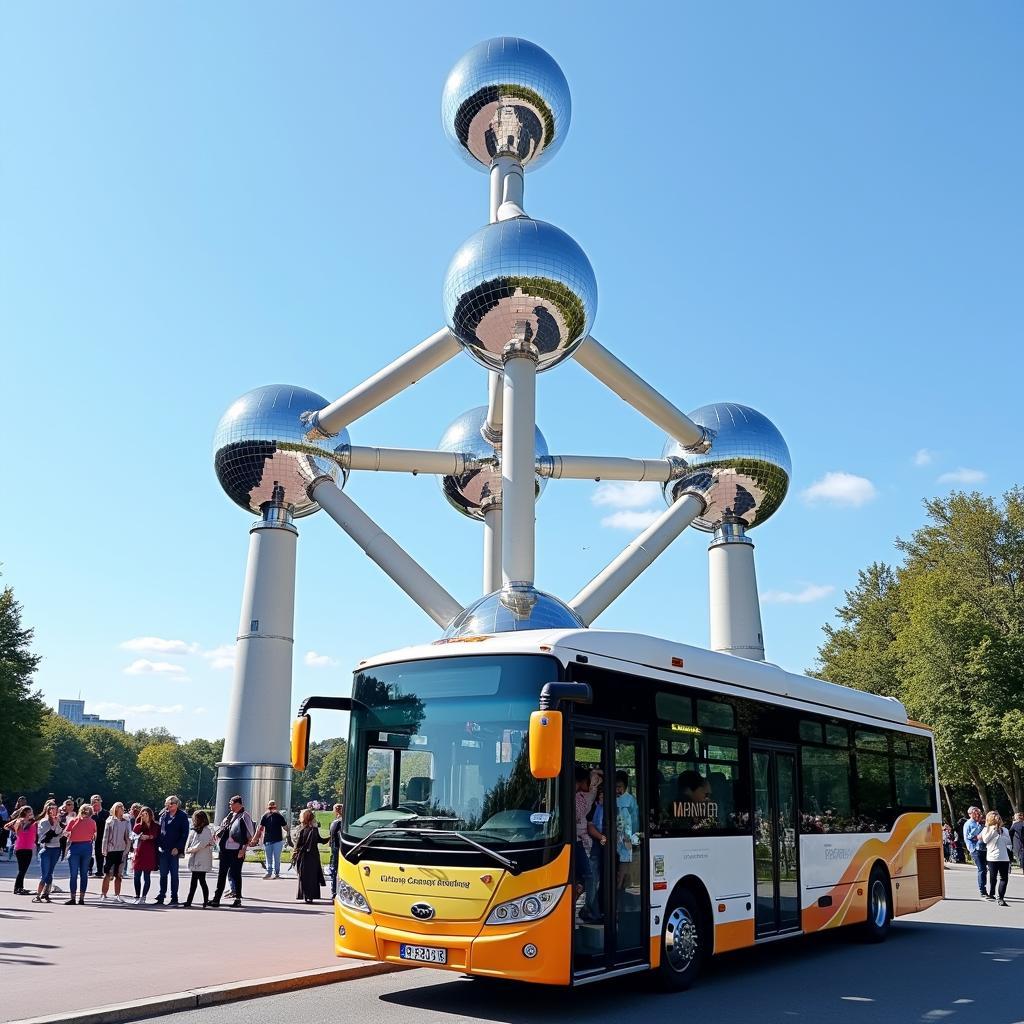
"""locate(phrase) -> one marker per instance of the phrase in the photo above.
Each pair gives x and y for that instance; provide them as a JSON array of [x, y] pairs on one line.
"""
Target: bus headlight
[[526, 908], [352, 898]]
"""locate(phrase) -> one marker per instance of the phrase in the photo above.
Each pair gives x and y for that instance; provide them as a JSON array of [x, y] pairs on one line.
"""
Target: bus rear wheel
[[683, 943], [876, 928]]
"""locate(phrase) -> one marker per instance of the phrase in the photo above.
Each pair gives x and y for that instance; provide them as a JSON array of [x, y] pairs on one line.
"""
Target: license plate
[[425, 954]]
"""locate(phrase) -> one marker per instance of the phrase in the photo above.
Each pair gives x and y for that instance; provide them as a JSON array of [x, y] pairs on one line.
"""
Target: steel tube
[[635, 391], [388, 554], [611, 581], [405, 460], [518, 463], [376, 390], [598, 467], [495, 388], [492, 548]]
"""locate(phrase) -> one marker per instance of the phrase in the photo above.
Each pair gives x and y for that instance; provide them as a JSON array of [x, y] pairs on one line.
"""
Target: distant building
[[74, 712]]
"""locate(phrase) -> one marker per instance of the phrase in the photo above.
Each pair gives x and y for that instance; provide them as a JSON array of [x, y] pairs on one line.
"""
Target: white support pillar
[[518, 458], [635, 391], [387, 553], [385, 384], [257, 760], [611, 581], [492, 548], [735, 610]]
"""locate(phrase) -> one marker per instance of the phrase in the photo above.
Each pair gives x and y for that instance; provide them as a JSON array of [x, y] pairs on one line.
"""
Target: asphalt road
[[960, 961]]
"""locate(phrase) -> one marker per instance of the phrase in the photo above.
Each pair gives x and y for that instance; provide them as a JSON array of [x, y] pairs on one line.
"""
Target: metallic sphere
[[262, 456], [472, 492], [510, 610], [520, 277], [506, 97], [745, 475]]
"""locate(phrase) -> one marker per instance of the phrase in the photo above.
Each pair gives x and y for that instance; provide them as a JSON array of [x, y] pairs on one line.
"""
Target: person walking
[[199, 850], [147, 836], [272, 831], [306, 857], [334, 836], [81, 834], [116, 841], [49, 830], [996, 841], [234, 836], [1017, 838], [975, 850], [23, 827], [173, 833]]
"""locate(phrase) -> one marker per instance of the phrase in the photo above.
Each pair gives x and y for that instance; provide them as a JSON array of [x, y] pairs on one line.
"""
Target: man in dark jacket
[[170, 845]]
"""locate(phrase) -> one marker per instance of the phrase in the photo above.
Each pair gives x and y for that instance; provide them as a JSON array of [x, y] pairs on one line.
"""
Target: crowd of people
[[105, 845]]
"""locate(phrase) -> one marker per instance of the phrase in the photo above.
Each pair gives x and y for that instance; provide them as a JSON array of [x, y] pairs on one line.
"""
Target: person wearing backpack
[[234, 835]]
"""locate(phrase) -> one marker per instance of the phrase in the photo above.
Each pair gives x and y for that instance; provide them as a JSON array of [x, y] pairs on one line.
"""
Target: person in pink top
[[23, 825], [81, 833]]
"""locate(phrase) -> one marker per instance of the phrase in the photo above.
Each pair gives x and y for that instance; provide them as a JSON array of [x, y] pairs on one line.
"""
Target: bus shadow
[[924, 972]]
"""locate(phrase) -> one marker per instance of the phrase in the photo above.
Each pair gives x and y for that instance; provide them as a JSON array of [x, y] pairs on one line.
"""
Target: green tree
[[162, 767], [330, 776], [145, 737], [77, 771], [117, 762], [24, 760], [200, 759]]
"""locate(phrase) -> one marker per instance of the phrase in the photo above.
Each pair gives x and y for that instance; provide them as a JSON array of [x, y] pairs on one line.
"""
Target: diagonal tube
[[611, 581], [387, 553], [635, 391], [376, 390]]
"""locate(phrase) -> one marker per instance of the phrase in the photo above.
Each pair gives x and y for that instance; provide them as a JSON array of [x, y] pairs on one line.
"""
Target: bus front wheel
[[876, 928], [683, 942]]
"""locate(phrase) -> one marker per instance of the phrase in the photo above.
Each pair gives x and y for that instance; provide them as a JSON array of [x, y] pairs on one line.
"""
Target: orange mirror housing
[[300, 742], [545, 744]]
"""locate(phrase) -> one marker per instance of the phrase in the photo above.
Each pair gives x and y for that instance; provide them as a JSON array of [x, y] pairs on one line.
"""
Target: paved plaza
[[960, 959]]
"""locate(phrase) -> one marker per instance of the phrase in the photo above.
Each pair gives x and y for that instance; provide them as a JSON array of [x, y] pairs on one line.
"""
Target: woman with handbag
[[49, 831], [199, 850], [306, 857], [147, 832], [23, 827]]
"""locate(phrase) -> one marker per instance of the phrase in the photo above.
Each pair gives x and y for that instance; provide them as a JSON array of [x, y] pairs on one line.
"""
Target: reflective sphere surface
[[518, 272], [506, 97], [473, 491], [510, 610], [746, 473], [261, 454]]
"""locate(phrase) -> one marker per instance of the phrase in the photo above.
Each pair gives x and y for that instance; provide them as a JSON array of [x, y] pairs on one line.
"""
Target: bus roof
[[635, 650]]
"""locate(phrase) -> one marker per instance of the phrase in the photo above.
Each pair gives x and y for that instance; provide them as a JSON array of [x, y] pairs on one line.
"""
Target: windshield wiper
[[509, 865]]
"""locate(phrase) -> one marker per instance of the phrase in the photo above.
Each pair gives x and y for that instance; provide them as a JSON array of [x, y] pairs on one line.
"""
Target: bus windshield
[[443, 745]]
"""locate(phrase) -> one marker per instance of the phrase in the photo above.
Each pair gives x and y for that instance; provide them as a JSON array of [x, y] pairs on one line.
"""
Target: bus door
[[610, 919], [776, 850]]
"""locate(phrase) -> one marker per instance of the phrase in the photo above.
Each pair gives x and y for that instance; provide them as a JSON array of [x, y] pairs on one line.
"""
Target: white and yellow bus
[[565, 806]]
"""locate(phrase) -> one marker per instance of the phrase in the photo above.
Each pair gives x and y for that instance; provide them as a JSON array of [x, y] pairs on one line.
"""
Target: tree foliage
[[944, 632], [24, 760]]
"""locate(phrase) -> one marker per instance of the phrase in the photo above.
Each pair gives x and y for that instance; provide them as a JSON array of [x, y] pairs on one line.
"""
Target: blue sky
[[812, 209]]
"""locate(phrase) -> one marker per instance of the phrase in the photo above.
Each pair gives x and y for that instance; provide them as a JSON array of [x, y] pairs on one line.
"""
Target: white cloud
[[314, 660], [222, 657], [145, 667], [962, 475], [629, 519], [924, 457], [199, 711], [113, 708], [841, 489], [624, 493], [810, 592], [158, 645]]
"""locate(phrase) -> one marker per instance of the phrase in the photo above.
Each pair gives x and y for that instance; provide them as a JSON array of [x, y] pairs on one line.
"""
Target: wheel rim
[[681, 939], [879, 903]]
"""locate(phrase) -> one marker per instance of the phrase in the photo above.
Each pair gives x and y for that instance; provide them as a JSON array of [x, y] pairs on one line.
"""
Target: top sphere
[[506, 97], [514, 608], [520, 274], [262, 456], [745, 475]]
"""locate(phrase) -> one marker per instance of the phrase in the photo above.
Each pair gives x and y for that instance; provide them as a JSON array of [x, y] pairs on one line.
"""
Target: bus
[[565, 806]]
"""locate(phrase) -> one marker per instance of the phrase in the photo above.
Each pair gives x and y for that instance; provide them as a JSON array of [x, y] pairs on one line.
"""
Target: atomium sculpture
[[520, 297]]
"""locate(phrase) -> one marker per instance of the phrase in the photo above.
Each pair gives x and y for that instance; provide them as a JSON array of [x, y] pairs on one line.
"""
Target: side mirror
[[545, 744], [300, 743]]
